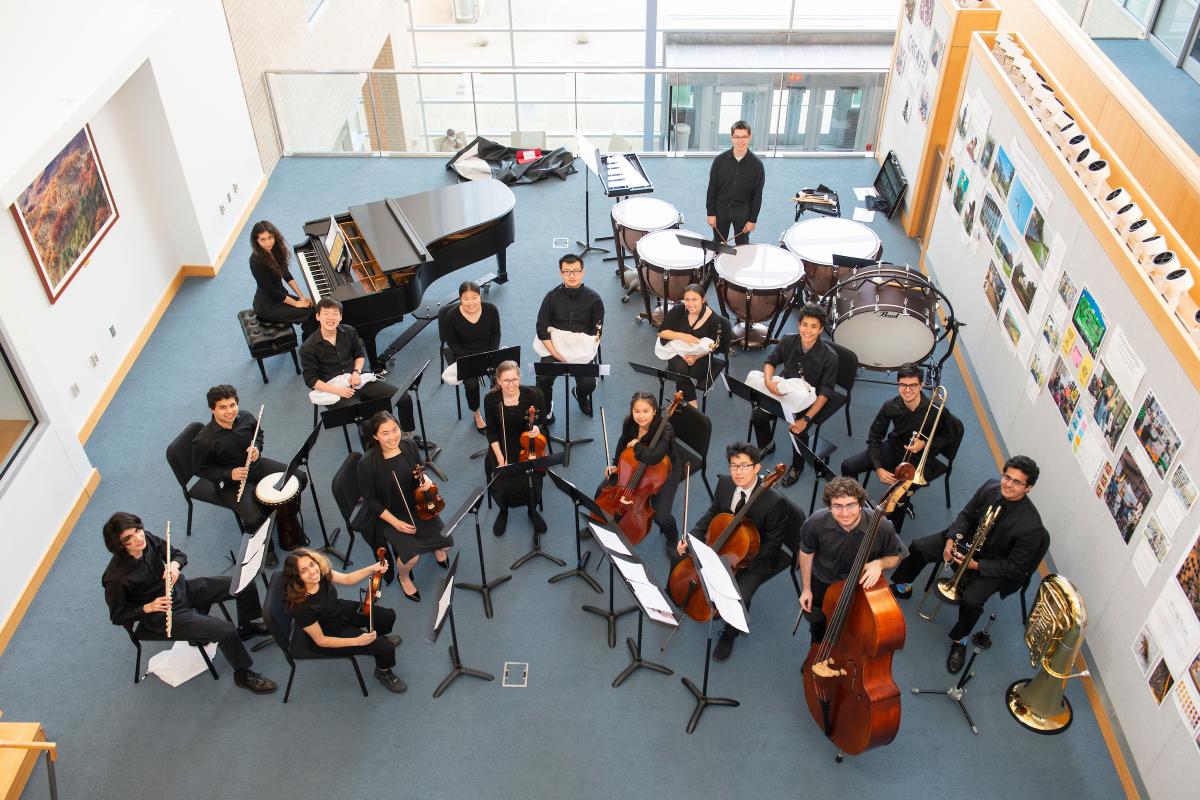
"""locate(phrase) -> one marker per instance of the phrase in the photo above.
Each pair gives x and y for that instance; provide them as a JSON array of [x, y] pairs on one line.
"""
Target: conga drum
[[816, 241], [633, 218], [666, 267], [887, 316], [285, 503], [756, 284]]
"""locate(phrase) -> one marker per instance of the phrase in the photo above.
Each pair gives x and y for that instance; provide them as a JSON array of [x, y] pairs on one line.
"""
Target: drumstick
[[723, 239]]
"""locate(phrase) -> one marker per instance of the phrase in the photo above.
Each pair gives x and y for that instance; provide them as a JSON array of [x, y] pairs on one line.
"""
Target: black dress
[[269, 297], [677, 320], [463, 337], [513, 490], [379, 492]]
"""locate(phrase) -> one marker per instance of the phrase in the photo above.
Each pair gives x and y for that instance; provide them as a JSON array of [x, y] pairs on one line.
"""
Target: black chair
[[694, 430], [446, 357], [1043, 548], [346, 494], [279, 622], [138, 634], [949, 452], [847, 371], [791, 544], [265, 339], [719, 365], [179, 457]]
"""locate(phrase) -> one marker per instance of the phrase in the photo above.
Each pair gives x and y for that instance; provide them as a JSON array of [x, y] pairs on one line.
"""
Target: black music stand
[[298, 461], [578, 499], [528, 468], [662, 375], [611, 615], [590, 156], [484, 587], [443, 610], [958, 690], [706, 246], [650, 600], [412, 383], [554, 369], [478, 365], [355, 414]]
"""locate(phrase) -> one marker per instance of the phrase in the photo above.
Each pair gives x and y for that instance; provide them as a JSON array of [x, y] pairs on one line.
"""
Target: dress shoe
[[902, 594], [791, 476], [550, 415], [443, 564], [252, 681], [958, 655], [424, 444], [481, 431], [724, 646], [585, 401], [501, 523], [394, 638], [539, 524], [252, 629], [766, 451], [390, 681], [415, 596]]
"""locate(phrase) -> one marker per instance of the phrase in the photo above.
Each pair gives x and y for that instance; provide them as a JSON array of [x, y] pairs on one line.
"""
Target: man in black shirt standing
[[735, 185], [135, 590], [569, 307], [829, 542], [804, 355], [904, 415], [1001, 565]]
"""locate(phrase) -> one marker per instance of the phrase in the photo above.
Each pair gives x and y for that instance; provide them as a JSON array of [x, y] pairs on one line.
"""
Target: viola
[[373, 591], [736, 541], [429, 502], [531, 446], [627, 501], [848, 674]]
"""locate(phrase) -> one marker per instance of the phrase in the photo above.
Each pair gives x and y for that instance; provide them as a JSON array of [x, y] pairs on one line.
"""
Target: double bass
[[627, 501], [848, 674]]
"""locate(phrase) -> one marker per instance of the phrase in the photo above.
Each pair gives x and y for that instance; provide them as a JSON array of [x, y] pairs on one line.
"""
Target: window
[[16, 417]]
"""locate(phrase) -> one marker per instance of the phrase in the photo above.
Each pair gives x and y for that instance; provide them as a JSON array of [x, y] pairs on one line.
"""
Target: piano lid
[[431, 216]]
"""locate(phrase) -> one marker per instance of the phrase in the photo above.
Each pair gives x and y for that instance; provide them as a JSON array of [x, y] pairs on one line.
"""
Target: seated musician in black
[[829, 543], [569, 307], [506, 409], [327, 623], [904, 415], [689, 322], [768, 513], [472, 326], [219, 454], [637, 432], [336, 349], [135, 589], [804, 355], [269, 255], [1000, 565]]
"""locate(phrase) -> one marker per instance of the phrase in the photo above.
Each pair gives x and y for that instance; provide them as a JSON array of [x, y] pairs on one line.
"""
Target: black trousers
[[374, 389], [974, 589], [193, 623], [661, 502], [546, 384], [382, 648], [699, 372], [286, 315], [761, 421], [249, 510], [731, 220], [752, 577], [817, 621]]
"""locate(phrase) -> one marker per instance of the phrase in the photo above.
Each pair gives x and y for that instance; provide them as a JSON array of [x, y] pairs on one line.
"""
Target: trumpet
[[937, 404], [253, 439], [947, 588]]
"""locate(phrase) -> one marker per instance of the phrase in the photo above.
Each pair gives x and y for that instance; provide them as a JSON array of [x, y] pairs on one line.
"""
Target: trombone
[[937, 404], [947, 588]]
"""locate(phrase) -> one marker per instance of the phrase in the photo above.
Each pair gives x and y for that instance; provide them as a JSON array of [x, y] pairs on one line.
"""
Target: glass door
[[1191, 63], [1173, 25]]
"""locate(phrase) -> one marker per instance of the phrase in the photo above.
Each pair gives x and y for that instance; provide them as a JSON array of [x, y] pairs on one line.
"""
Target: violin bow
[[411, 519]]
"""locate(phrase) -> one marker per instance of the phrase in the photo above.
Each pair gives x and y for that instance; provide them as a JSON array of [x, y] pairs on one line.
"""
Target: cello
[[848, 674], [736, 541], [627, 501]]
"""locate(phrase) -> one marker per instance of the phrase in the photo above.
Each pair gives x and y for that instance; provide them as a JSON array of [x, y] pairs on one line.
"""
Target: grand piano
[[379, 258]]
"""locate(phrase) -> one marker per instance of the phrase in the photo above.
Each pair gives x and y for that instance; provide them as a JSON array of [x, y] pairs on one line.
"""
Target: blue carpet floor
[[569, 734], [1171, 91]]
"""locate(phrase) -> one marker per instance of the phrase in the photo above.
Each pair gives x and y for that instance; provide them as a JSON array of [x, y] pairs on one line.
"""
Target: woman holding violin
[[394, 487], [472, 326], [642, 443], [689, 322], [326, 622], [514, 434]]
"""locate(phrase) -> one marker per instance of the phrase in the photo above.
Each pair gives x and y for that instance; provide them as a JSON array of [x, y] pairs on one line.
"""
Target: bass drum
[[887, 316], [285, 503]]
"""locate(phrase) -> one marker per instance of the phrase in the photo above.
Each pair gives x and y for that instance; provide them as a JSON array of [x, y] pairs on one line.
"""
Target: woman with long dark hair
[[472, 326], [689, 322], [506, 409], [273, 302]]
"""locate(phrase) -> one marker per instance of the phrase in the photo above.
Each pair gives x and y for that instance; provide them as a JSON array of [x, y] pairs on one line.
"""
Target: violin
[[736, 541], [627, 501], [373, 591], [429, 502], [532, 446], [848, 674]]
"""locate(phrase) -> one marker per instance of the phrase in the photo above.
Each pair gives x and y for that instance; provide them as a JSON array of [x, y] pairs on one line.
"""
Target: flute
[[168, 580], [253, 439]]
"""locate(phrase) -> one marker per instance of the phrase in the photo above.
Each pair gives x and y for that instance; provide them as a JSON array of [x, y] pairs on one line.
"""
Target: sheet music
[[444, 603], [587, 151], [609, 540], [632, 570], [718, 580], [651, 599], [252, 560]]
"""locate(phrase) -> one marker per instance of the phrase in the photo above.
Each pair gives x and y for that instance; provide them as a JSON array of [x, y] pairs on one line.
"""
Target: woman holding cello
[[513, 435], [390, 478]]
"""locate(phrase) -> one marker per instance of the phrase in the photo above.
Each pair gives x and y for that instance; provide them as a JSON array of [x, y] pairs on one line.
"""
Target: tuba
[[947, 588], [1054, 636]]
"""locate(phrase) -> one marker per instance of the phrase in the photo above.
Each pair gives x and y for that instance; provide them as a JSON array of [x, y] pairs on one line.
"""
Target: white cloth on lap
[[321, 398], [797, 394]]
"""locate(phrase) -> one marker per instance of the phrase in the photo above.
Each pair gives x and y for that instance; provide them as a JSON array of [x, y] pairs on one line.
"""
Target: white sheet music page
[[655, 604], [444, 603], [718, 580], [608, 540], [633, 571], [255, 549]]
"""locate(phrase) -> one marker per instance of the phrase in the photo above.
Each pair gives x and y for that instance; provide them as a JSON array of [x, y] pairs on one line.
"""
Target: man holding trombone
[[981, 558]]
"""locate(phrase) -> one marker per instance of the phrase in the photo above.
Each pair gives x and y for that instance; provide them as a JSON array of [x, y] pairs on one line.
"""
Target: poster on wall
[[64, 212], [1127, 495], [1157, 435], [1088, 319], [1112, 412]]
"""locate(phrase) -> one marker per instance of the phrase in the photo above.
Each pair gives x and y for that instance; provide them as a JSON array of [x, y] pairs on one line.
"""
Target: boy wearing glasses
[[569, 307], [1000, 565], [735, 186]]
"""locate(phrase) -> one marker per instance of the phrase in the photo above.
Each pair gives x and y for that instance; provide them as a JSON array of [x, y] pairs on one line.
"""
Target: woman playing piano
[[687, 323], [273, 302], [472, 326], [506, 408]]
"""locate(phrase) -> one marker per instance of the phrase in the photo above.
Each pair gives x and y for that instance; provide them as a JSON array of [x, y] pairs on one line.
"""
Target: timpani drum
[[285, 503], [666, 267], [887, 316], [816, 241], [756, 284]]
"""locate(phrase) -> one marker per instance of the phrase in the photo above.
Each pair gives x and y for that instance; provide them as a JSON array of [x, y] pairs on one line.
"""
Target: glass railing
[[649, 111]]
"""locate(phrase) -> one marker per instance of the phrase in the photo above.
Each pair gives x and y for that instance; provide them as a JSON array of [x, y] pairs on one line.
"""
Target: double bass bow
[[848, 674]]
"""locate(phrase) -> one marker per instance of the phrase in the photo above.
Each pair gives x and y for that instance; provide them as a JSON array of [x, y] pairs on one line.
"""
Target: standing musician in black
[[569, 307], [735, 186], [135, 589], [506, 409], [388, 487], [472, 326], [804, 355], [689, 322], [273, 302], [829, 543], [1000, 565], [885, 451], [769, 514]]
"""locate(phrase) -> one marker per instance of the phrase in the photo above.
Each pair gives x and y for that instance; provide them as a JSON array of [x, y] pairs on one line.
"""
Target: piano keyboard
[[314, 274]]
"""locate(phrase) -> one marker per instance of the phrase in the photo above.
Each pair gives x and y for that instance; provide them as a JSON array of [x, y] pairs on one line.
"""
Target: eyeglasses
[[736, 467], [1006, 478], [909, 386], [510, 381], [571, 272], [844, 506]]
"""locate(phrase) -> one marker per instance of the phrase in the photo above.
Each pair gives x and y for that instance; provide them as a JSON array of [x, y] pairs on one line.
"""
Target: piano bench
[[266, 339]]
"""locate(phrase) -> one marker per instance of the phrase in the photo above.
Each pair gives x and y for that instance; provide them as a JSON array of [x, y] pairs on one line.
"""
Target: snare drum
[[756, 284], [816, 241], [635, 217], [887, 316], [285, 503], [667, 267]]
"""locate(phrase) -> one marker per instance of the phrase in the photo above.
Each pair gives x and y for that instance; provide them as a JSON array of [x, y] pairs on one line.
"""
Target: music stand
[[247, 564], [706, 246], [578, 499], [443, 610], [724, 600], [651, 601], [663, 375], [959, 689], [478, 365], [355, 413], [589, 154], [301, 460], [412, 383], [484, 587], [611, 541], [528, 468], [554, 369]]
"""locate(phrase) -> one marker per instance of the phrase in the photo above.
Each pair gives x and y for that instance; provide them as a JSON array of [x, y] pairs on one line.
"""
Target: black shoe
[[724, 646], [252, 681], [415, 596], [585, 532], [394, 638], [539, 524], [550, 415], [481, 431], [424, 444], [792, 475], [766, 451], [958, 655], [390, 681], [902, 595], [443, 564], [585, 402], [271, 560], [249, 631], [501, 523]]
